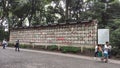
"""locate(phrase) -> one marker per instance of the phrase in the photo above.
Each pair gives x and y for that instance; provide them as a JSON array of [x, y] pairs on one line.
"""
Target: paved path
[[42, 59]]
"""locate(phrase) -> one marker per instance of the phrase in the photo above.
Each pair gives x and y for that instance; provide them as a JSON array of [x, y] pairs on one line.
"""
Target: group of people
[[103, 51], [5, 43]]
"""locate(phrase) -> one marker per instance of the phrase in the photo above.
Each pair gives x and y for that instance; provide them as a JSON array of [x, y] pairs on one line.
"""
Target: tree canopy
[[42, 12]]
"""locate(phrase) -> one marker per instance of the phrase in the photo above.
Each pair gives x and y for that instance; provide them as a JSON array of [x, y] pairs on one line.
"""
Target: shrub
[[116, 52], [71, 49], [28, 46], [11, 45], [115, 38], [39, 47], [88, 51], [23, 46], [53, 47]]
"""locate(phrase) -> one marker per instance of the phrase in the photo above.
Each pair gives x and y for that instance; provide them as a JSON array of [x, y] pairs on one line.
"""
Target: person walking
[[4, 43], [109, 51], [96, 52], [17, 46], [105, 58], [100, 51]]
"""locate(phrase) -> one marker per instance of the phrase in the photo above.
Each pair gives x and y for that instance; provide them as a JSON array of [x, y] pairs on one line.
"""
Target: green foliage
[[52, 47], [39, 47], [4, 35], [106, 1], [71, 49], [21, 11], [113, 24], [115, 39], [11, 45], [76, 10], [114, 10], [88, 51], [23, 46], [116, 52], [27, 46]]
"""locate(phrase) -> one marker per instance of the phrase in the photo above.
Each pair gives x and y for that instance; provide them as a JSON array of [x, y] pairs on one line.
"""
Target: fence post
[[81, 49], [45, 46]]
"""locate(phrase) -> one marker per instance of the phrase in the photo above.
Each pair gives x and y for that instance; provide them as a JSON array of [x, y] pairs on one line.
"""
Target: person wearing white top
[[106, 52], [4, 43], [96, 52]]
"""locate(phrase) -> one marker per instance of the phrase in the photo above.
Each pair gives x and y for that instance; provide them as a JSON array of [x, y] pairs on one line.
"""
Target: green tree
[[116, 38]]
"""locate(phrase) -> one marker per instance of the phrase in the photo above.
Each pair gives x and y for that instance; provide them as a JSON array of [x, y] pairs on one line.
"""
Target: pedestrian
[[96, 52], [17, 46], [105, 58], [4, 43], [109, 51], [100, 51]]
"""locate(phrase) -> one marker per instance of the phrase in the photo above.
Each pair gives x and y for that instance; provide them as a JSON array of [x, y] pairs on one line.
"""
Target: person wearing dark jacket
[[17, 46]]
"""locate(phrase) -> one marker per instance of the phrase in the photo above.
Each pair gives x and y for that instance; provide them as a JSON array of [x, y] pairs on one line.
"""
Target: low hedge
[[88, 51], [52, 47], [11, 45], [63, 49], [39, 47], [115, 52], [23, 46], [71, 49]]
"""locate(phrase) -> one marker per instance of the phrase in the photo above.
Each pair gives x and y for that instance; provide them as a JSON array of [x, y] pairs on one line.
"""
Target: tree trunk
[[66, 12]]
